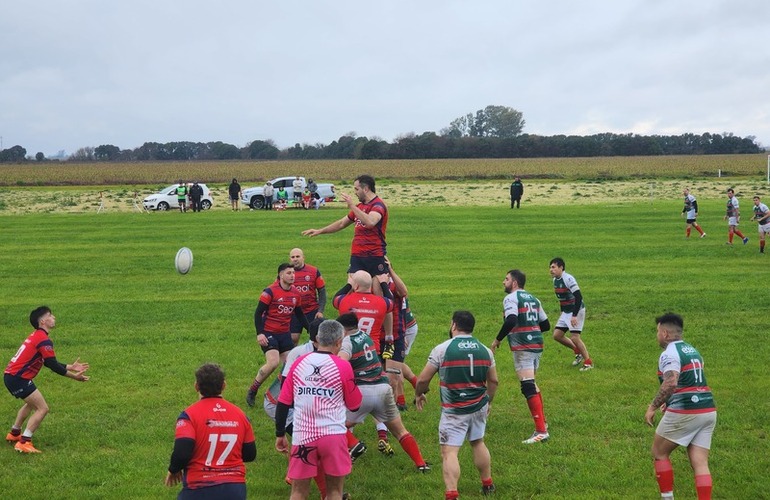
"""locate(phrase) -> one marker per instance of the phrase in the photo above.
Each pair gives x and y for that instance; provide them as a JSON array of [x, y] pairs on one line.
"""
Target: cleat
[[703, 235], [385, 448], [537, 437], [585, 368], [346, 496], [25, 447], [745, 240], [424, 468], [728, 244], [578, 359], [251, 398], [488, 490], [402, 407], [11, 438], [358, 450]]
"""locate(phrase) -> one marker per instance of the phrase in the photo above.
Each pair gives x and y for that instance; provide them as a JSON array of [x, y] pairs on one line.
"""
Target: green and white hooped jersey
[[364, 360], [760, 211], [463, 363], [565, 288], [526, 335], [692, 393]]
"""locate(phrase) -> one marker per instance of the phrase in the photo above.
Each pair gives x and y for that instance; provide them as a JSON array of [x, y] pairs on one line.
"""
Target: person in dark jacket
[[517, 191], [196, 193]]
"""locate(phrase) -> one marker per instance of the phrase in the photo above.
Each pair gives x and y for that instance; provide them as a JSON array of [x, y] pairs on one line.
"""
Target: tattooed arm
[[667, 387]]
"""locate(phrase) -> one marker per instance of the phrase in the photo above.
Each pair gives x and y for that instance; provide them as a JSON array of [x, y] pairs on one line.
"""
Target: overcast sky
[[91, 72]]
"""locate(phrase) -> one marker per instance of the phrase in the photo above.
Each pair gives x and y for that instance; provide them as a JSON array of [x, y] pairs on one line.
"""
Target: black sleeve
[[259, 320], [54, 365], [182, 454], [281, 413], [301, 317], [344, 290], [578, 302], [510, 322], [695, 206], [386, 291], [249, 451], [545, 325], [322, 299]]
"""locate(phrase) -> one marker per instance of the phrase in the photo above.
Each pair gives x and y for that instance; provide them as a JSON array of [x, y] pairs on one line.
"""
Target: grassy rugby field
[[144, 329]]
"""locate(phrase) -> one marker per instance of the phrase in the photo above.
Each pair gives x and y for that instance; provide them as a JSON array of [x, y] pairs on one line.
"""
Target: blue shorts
[[234, 491], [296, 326], [372, 265], [399, 346], [19, 387], [279, 341]]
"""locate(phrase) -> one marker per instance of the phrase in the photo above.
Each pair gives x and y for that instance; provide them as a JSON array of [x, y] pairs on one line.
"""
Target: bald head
[[297, 258], [362, 282]]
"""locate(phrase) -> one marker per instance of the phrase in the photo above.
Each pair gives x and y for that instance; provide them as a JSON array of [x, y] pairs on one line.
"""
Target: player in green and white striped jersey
[[468, 382], [690, 413]]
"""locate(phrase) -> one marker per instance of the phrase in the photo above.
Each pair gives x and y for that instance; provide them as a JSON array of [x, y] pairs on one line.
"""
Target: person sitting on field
[[282, 198], [307, 199]]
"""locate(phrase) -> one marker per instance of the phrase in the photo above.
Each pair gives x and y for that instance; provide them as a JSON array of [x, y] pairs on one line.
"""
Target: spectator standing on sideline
[[35, 351], [234, 191], [181, 196], [272, 319], [313, 188], [311, 287], [517, 191], [196, 193], [268, 193], [573, 313], [690, 212], [690, 414], [468, 376], [524, 323], [213, 439], [733, 217], [762, 218], [320, 386], [296, 186]]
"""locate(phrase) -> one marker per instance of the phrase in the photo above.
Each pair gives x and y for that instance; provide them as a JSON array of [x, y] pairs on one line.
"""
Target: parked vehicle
[[254, 197], [166, 198]]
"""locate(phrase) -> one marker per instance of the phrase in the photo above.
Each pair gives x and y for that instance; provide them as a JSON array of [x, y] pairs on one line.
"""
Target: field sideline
[[144, 329]]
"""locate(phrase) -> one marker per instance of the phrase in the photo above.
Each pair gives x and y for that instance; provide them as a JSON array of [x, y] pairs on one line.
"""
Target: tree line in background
[[492, 132]]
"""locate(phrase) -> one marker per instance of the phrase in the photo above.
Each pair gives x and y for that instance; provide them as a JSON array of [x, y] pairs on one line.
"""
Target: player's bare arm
[[335, 226], [670, 381], [369, 220], [423, 385]]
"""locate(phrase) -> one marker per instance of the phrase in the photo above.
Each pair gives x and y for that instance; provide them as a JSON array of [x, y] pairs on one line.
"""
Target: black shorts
[[400, 349], [19, 387], [296, 326], [691, 221], [372, 265], [279, 341], [235, 491]]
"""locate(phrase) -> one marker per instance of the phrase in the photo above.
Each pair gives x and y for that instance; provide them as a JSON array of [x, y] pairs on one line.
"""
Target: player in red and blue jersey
[[213, 439], [35, 351], [370, 309], [272, 319], [311, 286]]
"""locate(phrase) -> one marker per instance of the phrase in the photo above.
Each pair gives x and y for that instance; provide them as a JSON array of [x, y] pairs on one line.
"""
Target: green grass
[[144, 329]]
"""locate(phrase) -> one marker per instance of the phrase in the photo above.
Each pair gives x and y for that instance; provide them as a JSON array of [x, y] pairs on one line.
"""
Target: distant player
[[762, 218], [272, 319], [733, 217], [690, 414], [468, 381], [311, 287], [213, 439], [524, 323], [690, 212], [573, 313], [35, 351]]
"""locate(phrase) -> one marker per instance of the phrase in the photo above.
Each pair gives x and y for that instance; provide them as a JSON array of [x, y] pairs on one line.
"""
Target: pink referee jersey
[[321, 387]]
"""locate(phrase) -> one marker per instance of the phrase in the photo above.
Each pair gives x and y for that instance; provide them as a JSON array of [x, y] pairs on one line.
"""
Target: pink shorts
[[330, 453]]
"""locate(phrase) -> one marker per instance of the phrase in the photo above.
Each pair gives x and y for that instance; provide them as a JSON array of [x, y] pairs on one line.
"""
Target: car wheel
[[257, 202], [162, 206], [205, 204]]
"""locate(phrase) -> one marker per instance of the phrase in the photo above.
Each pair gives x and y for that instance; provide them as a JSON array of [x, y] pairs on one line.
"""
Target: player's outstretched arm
[[335, 226]]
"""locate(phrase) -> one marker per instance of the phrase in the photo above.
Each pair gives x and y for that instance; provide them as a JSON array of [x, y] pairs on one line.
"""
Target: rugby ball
[[183, 260]]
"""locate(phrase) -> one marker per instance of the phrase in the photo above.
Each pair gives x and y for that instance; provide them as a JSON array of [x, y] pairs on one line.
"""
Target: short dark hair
[[519, 277], [36, 314], [464, 321], [210, 379], [283, 267], [348, 320], [671, 319], [367, 180], [731, 190], [313, 330], [559, 262]]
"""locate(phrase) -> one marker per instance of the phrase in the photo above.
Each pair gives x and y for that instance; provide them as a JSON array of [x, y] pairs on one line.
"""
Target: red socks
[[535, 404], [409, 444], [451, 495], [703, 486], [664, 473], [352, 439], [413, 381]]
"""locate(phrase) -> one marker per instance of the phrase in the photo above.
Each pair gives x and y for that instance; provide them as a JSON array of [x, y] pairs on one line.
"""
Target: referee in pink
[[321, 388]]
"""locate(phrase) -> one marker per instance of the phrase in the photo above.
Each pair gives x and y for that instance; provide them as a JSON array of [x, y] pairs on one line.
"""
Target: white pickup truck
[[254, 197]]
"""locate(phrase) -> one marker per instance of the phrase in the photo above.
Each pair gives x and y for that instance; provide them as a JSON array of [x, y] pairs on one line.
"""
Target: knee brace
[[528, 388]]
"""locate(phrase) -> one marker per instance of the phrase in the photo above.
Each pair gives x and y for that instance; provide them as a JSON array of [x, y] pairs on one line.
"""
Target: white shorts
[[732, 221], [409, 336], [764, 229], [685, 429], [526, 360], [565, 321], [454, 429], [377, 401]]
